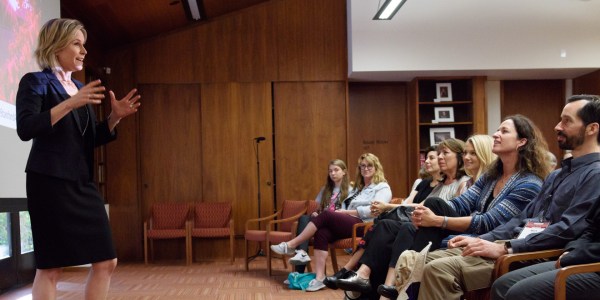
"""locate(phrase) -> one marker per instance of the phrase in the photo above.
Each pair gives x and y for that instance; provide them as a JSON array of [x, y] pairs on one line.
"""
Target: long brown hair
[[532, 155], [330, 185]]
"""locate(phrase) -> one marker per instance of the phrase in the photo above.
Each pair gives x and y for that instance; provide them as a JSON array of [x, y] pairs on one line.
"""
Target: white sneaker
[[286, 282], [282, 249], [315, 285], [301, 258]]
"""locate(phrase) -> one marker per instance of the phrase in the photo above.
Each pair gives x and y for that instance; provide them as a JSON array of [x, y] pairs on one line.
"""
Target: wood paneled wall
[[122, 165], [379, 125], [287, 40], [233, 114], [170, 151], [540, 100], [207, 91], [587, 84], [310, 130]]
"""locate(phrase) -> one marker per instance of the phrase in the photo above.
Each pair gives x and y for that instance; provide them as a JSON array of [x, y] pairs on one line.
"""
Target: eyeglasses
[[366, 167]]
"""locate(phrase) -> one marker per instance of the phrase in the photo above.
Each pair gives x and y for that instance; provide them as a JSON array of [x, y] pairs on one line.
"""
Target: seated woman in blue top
[[330, 226], [376, 248], [512, 181]]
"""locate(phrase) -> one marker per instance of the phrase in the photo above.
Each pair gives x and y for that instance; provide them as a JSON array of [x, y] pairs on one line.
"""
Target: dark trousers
[[302, 222], [435, 235], [389, 238], [332, 226]]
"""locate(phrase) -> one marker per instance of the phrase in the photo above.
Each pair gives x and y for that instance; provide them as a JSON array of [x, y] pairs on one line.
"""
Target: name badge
[[532, 227]]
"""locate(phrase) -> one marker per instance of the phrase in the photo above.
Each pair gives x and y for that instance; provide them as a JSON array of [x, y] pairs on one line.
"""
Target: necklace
[[504, 179], [81, 119]]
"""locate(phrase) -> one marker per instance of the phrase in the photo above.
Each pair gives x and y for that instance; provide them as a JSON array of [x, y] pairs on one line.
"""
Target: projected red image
[[20, 21]]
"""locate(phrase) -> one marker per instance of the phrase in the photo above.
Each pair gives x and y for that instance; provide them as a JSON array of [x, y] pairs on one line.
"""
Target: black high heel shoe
[[331, 281], [354, 283], [388, 291]]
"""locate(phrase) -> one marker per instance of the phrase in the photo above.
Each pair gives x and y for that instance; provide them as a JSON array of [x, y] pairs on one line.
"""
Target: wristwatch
[[508, 247]]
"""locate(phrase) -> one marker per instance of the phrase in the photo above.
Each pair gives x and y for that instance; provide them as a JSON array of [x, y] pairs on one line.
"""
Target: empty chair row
[[176, 220]]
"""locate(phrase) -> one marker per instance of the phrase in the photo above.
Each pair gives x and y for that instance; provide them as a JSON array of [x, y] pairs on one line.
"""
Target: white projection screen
[[20, 22]]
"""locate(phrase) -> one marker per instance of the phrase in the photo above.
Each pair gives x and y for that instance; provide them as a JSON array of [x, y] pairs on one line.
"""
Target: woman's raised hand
[[126, 106], [91, 93]]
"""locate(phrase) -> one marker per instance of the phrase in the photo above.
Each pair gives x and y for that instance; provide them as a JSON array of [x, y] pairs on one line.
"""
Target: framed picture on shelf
[[443, 92], [437, 135], [443, 114]]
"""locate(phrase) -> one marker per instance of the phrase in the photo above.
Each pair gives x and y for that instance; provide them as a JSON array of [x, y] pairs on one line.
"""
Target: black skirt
[[68, 221]]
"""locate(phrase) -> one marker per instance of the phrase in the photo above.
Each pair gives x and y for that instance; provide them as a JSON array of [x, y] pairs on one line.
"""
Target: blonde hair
[[482, 144], [54, 36], [377, 177]]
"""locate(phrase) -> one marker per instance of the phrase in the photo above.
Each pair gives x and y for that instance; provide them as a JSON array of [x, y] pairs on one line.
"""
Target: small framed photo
[[443, 92], [443, 114], [437, 135]]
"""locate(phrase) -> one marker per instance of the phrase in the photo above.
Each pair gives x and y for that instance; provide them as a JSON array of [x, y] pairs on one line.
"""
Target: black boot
[[331, 281], [388, 291]]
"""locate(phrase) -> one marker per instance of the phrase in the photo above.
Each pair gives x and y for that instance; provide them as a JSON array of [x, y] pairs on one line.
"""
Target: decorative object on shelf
[[438, 134], [443, 114], [443, 92]]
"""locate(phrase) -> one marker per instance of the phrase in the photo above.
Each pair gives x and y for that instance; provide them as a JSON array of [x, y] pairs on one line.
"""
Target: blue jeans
[[302, 222]]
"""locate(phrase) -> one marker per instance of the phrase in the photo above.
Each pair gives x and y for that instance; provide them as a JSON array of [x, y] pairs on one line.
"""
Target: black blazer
[[60, 150]]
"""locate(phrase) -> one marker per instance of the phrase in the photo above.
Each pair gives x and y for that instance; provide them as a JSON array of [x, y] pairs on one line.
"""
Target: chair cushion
[[169, 215], [212, 214], [290, 208], [255, 235]]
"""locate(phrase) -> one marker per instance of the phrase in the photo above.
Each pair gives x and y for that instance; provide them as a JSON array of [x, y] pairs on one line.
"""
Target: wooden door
[[170, 151], [379, 124], [539, 100], [233, 115], [310, 130]]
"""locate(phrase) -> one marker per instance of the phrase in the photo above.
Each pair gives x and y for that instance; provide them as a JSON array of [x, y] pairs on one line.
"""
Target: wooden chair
[[502, 266], [560, 282], [351, 242], [284, 219], [168, 220], [213, 220]]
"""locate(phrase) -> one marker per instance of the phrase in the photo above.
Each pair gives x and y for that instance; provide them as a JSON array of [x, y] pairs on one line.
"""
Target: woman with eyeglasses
[[375, 249], [330, 226]]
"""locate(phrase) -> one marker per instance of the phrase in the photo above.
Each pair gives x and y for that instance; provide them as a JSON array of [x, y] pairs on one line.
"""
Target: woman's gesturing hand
[[126, 106], [91, 93]]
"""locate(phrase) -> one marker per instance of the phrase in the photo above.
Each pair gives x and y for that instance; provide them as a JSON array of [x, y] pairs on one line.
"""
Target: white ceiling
[[501, 39]]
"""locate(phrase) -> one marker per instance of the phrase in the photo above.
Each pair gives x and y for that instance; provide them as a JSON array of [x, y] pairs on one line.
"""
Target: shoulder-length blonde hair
[[330, 185], [377, 177], [482, 144], [54, 36]]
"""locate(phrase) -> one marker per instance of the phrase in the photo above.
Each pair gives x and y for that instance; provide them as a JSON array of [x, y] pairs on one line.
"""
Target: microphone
[[259, 139]]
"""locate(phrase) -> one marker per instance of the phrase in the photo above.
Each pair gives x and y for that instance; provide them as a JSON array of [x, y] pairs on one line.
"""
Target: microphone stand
[[259, 252]]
